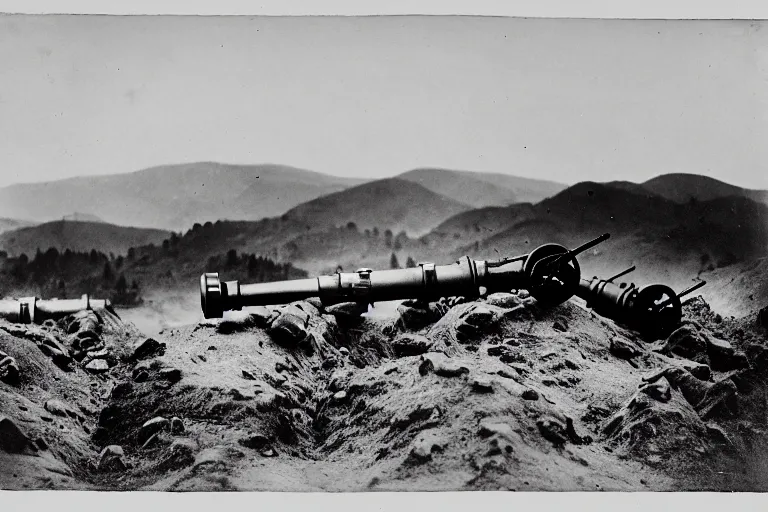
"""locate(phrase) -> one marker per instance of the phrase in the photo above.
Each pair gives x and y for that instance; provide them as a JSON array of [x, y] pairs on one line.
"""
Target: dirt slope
[[492, 394]]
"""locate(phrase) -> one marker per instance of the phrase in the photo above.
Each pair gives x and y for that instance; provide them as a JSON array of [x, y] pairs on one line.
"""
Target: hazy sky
[[566, 100]]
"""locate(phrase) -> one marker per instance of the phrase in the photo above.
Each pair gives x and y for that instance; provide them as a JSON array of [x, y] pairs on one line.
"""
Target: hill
[[173, 196], [680, 188], [11, 224], [667, 241], [476, 225], [78, 236], [479, 189], [390, 203]]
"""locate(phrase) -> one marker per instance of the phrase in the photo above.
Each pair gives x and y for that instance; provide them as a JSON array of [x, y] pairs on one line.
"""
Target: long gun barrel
[[550, 273], [31, 310], [654, 310]]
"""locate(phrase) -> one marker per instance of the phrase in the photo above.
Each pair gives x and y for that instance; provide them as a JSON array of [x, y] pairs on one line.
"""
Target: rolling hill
[[680, 188], [173, 196], [391, 203], [479, 189], [78, 236]]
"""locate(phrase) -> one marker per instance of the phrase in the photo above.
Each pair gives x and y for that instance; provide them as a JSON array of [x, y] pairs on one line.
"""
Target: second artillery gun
[[32, 310], [550, 273], [653, 310]]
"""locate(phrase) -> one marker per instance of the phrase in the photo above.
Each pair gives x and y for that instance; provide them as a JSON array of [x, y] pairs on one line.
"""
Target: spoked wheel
[[656, 310], [551, 278]]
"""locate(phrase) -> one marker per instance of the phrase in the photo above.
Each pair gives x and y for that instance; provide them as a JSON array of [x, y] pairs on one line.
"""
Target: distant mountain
[[173, 196], [391, 203], [479, 189], [682, 187], [78, 236]]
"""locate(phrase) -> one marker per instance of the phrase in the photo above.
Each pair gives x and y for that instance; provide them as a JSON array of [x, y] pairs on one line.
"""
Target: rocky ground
[[493, 394]]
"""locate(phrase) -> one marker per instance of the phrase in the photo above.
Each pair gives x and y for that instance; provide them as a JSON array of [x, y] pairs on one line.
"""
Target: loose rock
[[560, 324], [12, 439], [152, 427], [261, 316], [111, 459], [9, 370], [623, 349], [503, 300], [530, 394], [482, 385], [415, 314], [290, 327], [440, 365], [424, 446], [147, 348], [411, 345], [59, 408], [97, 366], [658, 390], [347, 311], [686, 342], [255, 441], [722, 356], [169, 374]]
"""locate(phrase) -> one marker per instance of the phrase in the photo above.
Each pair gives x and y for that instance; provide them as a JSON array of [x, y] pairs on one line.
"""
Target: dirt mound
[[490, 394], [50, 408]]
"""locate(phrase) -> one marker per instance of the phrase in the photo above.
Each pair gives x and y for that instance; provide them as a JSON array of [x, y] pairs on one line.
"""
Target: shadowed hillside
[[682, 187], [392, 203]]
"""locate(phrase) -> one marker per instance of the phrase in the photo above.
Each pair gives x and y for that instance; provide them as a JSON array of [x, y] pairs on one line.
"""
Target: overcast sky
[[566, 100]]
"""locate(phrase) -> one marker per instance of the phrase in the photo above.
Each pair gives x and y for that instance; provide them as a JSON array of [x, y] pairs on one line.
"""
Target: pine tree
[[108, 274], [393, 263], [122, 285]]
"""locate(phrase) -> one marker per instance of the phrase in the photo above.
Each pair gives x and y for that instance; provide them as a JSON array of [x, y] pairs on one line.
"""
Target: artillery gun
[[653, 310], [550, 273], [30, 310]]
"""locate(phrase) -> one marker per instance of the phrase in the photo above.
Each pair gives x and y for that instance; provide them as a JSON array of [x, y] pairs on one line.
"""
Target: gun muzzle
[[550, 272], [33, 310], [654, 310]]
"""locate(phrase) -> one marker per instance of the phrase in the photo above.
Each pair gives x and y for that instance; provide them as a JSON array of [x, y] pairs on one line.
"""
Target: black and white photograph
[[358, 254]]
